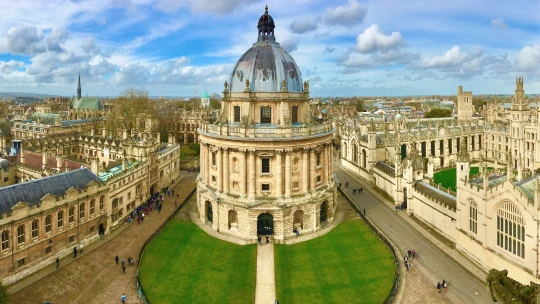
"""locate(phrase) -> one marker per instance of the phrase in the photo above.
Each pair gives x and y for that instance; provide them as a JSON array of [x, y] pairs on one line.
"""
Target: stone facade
[[266, 165]]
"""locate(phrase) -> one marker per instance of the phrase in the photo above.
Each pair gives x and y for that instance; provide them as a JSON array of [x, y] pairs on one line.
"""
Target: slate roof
[[4, 163], [32, 192], [386, 168], [45, 118], [430, 191], [87, 103]]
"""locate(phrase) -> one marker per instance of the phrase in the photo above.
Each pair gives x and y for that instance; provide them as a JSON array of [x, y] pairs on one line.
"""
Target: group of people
[[192, 170], [444, 286], [131, 262], [155, 202], [259, 238], [75, 251], [410, 254], [354, 191]]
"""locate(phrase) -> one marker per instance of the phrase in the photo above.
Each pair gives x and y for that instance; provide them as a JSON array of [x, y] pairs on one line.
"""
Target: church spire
[[79, 88]]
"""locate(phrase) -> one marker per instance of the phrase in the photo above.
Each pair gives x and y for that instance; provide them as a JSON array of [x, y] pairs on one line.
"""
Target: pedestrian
[[57, 262], [405, 259], [396, 208], [439, 287], [408, 265], [173, 192], [116, 259], [361, 190], [259, 239], [123, 263], [413, 253], [267, 239], [444, 285], [75, 252], [124, 268], [176, 195], [138, 220], [409, 253], [296, 231], [175, 204], [123, 298], [80, 248], [364, 211], [129, 260]]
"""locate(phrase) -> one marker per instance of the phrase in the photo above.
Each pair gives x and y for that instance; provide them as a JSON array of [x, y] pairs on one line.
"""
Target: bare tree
[[132, 111]]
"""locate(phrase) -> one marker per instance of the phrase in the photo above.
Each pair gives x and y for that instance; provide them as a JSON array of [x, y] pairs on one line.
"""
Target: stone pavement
[[94, 277], [435, 259], [265, 288]]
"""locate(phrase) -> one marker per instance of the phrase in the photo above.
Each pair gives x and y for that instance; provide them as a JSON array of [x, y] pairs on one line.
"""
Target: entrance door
[[265, 224], [323, 212]]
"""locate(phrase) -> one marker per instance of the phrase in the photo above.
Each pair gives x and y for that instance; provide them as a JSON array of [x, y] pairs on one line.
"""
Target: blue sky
[[343, 47]]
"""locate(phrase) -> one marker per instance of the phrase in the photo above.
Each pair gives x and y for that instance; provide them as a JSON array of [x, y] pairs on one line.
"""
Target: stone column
[[208, 164], [279, 174], [243, 177], [251, 193], [312, 179], [326, 167], [202, 163], [305, 172], [226, 173], [219, 164], [288, 173]]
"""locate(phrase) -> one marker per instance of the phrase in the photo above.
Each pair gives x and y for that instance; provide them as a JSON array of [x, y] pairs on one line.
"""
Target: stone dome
[[266, 64], [414, 160]]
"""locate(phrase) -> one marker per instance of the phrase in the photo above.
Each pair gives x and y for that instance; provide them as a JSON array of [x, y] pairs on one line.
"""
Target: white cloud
[[373, 40], [89, 45], [57, 36], [528, 59], [303, 25], [451, 59], [351, 14], [9, 66], [289, 43], [329, 49], [25, 40], [499, 24], [216, 6]]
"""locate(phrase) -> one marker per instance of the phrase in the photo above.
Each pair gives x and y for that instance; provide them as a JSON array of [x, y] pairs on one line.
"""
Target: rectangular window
[[71, 238], [266, 115], [129, 195], [294, 114], [265, 187], [319, 179], [214, 179], [235, 185], [265, 165], [92, 228], [48, 249], [296, 185], [236, 114], [318, 158], [213, 158], [21, 262], [473, 225], [6, 179]]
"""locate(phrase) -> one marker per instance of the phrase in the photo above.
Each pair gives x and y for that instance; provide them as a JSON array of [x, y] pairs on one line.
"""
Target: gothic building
[[266, 164], [493, 216]]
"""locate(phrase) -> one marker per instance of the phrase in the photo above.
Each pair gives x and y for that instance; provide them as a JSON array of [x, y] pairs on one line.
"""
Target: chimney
[[94, 165], [59, 162], [43, 160], [124, 134]]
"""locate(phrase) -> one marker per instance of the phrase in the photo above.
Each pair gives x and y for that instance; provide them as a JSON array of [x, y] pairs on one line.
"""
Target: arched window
[[345, 150], [236, 113], [355, 153], [115, 204], [35, 228], [82, 209], [5, 240], [60, 220], [48, 223], [20, 235], [473, 217], [364, 158], [294, 114], [235, 164], [101, 203], [266, 115], [511, 229], [71, 215], [92, 207]]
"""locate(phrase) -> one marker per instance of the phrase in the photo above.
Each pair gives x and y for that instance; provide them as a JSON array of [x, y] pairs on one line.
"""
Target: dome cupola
[[266, 66]]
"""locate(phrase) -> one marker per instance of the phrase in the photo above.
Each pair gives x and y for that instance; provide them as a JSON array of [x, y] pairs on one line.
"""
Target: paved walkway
[[265, 289], [437, 261], [95, 278]]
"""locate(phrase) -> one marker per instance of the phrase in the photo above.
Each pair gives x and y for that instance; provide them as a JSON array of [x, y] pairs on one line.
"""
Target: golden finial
[[266, 8]]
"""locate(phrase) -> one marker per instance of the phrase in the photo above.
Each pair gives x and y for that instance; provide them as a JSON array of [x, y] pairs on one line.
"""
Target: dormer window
[[266, 115]]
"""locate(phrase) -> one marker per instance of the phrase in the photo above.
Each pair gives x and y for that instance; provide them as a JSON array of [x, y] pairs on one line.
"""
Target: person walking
[[129, 260], [439, 287], [364, 211], [124, 268], [267, 239], [444, 285], [75, 252], [57, 262], [259, 239], [124, 298], [413, 253], [123, 263], [361, 190], [408, 265], [116, 259], [409, 253]]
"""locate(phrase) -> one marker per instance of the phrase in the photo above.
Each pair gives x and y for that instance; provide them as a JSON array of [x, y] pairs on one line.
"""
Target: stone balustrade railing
[[267, 131]]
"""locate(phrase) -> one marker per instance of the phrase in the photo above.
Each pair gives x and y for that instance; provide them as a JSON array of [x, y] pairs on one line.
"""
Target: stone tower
[[464, 105], [266, 165], [79, 91]]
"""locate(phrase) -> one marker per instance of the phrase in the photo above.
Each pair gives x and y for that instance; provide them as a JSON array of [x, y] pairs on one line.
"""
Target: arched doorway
[[404, 203], [233, 220], [102, 225], [265, 224], [298, 219], [152, 189], [209, 212], [323, 212]]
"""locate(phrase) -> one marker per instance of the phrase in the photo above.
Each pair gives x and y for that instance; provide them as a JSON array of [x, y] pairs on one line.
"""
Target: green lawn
[[447, 178], [183, 264], [347, 265]]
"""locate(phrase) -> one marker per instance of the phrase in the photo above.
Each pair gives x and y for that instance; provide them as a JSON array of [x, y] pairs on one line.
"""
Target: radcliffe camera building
[[266, 163]]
